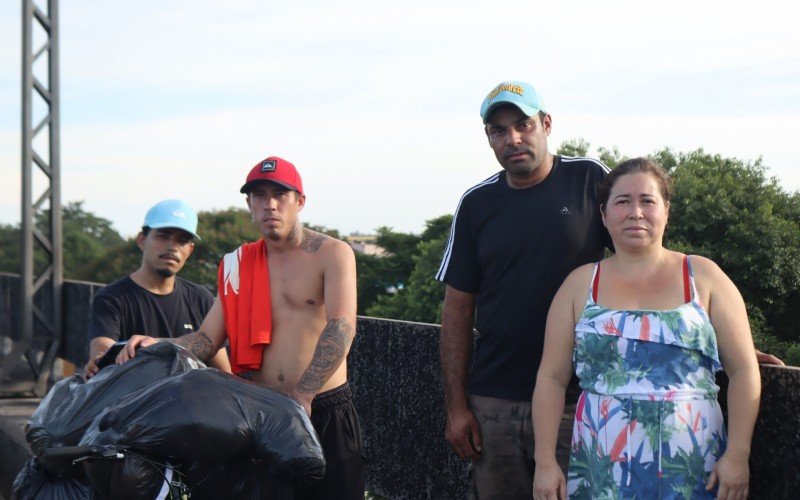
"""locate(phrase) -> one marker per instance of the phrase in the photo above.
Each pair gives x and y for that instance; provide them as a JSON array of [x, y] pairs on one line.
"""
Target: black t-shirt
[[123, 308], [513, 248]]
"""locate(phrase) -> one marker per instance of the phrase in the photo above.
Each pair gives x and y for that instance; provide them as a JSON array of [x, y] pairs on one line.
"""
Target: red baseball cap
[[274, 169]]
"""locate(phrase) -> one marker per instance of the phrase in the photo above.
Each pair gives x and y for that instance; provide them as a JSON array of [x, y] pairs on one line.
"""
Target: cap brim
[[249, 185], [171, 226], [526, 110]]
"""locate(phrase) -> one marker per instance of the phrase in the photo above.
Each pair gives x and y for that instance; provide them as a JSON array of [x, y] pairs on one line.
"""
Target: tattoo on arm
[[328, 355], [197, 343], [312, 240]]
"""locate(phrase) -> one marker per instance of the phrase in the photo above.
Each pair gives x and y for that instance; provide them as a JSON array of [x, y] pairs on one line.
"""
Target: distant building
[[366, 244]]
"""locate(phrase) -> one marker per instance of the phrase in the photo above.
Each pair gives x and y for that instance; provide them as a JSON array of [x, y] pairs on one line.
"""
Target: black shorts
[[334, 418]]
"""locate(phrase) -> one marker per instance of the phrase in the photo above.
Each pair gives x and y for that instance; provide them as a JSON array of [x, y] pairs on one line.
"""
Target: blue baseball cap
[[520, 94], [172, 213]]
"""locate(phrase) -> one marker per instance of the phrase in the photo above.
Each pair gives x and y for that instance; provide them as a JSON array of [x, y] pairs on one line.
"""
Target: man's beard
[[524, 168], [521, 170], [165, 273]]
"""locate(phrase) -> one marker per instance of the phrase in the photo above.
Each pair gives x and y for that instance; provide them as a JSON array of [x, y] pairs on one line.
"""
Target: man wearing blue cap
[[153, 300], [515, 237]]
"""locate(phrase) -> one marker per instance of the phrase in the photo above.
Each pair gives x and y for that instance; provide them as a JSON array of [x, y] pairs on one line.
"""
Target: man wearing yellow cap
[[515, 237]]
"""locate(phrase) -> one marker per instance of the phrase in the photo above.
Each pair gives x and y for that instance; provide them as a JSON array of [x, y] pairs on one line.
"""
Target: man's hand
[[549, 482], [455, 349], [91, 367], [129, 351], [97, 348], [768, 359], [464, 433]]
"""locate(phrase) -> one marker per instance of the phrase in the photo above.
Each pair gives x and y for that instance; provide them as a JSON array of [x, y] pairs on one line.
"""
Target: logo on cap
[[507, 87], [268, 166], [179, 214]]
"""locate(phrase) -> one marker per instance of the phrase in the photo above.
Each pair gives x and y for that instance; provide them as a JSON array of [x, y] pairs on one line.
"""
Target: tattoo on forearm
[[197, 343], [329, 354], [312, 240]]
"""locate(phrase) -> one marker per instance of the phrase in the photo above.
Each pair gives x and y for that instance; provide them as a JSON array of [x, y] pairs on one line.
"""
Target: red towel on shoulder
[[243, 288]]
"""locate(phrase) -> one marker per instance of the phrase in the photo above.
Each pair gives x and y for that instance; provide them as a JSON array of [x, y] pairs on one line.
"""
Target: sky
[[376, 102]]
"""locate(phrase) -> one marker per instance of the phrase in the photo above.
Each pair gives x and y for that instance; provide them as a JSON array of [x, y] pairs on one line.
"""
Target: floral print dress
[[647, 424]]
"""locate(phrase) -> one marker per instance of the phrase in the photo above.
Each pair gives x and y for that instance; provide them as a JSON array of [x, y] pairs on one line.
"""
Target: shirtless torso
[[297, 284]]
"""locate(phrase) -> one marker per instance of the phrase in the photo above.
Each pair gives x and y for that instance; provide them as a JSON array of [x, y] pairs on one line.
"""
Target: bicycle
[[57, 461]]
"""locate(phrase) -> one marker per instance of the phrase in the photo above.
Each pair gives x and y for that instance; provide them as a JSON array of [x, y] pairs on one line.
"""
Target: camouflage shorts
[[505, 468]]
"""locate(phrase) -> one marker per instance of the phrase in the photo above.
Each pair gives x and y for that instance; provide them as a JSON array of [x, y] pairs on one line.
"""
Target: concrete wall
[[775, 453], [395, 373], [399, 395]]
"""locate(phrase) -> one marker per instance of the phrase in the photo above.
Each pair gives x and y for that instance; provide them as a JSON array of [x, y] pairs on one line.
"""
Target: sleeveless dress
[[647, 424]]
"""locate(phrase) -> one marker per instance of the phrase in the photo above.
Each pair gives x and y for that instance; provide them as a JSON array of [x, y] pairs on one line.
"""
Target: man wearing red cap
[[287, 304]]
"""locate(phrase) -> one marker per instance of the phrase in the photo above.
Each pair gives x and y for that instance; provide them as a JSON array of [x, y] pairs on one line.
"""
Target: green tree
[[400, 249], [574, 147], [86, 237], [420, 299], [580, 147], [729, 211], [385, 274], [610, 157], [9, 248], [372, 280], [437, 228]]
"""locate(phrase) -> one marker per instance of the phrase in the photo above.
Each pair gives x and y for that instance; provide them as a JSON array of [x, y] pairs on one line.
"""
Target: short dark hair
[[146, 229], [635, 166]]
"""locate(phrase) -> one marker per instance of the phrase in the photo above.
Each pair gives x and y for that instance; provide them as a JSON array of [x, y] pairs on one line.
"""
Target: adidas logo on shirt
[[565, 211]]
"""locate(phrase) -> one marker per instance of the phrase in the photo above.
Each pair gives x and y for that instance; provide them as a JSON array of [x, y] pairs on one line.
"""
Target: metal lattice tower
[[41, 284]]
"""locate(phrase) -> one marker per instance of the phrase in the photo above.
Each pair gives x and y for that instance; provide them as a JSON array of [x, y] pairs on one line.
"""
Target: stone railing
[[397, 386]]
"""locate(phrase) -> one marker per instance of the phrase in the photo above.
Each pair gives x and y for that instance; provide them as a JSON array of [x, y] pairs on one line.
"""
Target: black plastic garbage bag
[[214, 419], [34, 482], [72, 404]]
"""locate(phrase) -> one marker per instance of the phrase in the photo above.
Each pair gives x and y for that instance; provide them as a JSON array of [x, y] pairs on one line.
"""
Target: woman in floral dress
[[646, 330]]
